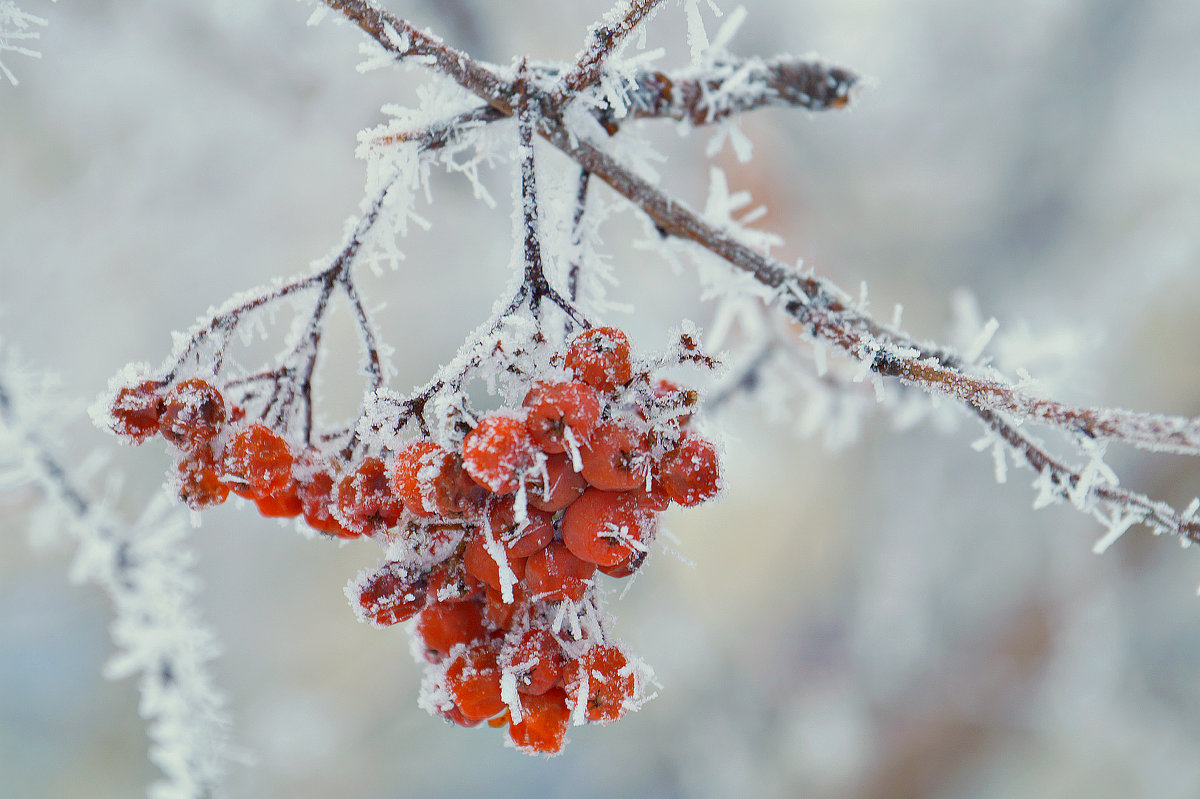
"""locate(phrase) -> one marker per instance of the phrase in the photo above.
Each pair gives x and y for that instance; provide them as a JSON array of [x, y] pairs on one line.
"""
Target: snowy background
[[883, 621]]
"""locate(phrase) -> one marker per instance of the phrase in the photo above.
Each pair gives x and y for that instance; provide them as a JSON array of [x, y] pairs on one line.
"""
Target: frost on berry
[[601, 684], [443, 625], [606, 527], [497, 452], [388, 595], [136, 410], [193, 414], [543, 726], [690, 473], [199, 483], [559, 410], [258, 462], [365, 503], [618, 457], [554, 485], [600, 357], [555, 574]]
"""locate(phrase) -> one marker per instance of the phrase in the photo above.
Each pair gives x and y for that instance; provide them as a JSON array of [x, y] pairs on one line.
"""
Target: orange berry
[[200, 484], [617, 458], [135, 411], [691, 473], [497, 452], [535, 659], [521, 540], [258, 462], [600, 357], [543, 725], [473, 681], [556, 407], [193, 413], [365, 502], [609, 680], [557, 487], [281, 504], [441, 625], [605, 527], [392, 594], [479, 561], [412, 478], [556, 574]]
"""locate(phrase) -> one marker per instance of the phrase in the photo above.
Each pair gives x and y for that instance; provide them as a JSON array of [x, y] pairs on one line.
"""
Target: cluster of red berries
[[219, 452], [494, 542]]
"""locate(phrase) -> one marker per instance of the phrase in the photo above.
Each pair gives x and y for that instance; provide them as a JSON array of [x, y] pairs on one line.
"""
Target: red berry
[[520, 539], [609, 679], [600, 357], [135, 412], [556, 407], [316, 497], [452, 713], [392, 594], [480, 562], [535, 659], [554, 486], [691, 473], [193, 413], [617, 459], [497, 452], [200, 484], [441, 625], [285, 503], [365, 502], [556, 574], [605, 527], [258, 462], [449, 582], [626, 567], [473, 681], [412, 471], [543, 725], [501, 614]]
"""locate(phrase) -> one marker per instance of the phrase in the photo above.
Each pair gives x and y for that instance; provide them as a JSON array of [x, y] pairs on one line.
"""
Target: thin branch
[[603, 39], [818, 304], [439, 134], [404, 41]]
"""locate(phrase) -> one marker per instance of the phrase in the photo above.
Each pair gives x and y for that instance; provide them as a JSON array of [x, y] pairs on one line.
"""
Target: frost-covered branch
[[817, 304], [145, 570], [16, 29], [603, 39]]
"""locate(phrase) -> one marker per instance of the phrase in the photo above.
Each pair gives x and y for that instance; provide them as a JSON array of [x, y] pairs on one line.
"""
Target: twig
[[603, 39]]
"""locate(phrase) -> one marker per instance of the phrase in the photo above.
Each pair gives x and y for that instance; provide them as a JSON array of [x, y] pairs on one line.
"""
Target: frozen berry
[[193, 413], [365, 502], [606, 675], [392, 594], [554, 485], [556, 408], [136, 410], [258, 462], [543, 725], [618, 457], [555, 574], [605, 527], [691, 473], [600, 357], [497, 452]]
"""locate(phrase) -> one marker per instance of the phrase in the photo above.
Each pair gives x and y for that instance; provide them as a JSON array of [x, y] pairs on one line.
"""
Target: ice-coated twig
[[817, 304], [145, 570], [603, 38]]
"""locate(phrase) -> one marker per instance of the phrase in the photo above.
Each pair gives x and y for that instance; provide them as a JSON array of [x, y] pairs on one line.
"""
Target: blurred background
[[880, 621]]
